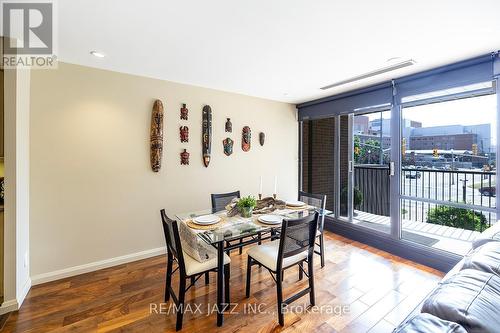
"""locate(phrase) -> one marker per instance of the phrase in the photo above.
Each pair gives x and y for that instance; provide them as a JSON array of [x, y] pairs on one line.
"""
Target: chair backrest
[[316, 200], [220, 201], [172, 239], [297, 236]]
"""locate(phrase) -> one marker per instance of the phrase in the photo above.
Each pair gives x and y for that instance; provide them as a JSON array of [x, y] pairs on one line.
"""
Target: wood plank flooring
[[375, 291]]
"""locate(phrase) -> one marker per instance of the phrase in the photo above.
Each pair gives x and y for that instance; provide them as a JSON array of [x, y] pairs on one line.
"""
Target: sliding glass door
[[364, 167]]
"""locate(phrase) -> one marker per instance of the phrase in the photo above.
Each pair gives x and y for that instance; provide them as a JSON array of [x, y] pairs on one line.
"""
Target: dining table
[[244, 230]]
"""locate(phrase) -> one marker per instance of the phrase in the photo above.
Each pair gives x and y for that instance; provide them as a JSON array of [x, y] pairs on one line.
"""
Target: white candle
[[260, 187], [275, 184]]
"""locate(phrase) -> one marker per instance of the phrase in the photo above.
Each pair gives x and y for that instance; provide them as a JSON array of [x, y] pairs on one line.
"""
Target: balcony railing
[[425, 189]]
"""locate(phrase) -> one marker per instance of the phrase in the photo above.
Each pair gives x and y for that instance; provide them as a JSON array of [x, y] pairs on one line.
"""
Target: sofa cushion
[[427, 323], [470, 298], [490, 234], [485, 258]]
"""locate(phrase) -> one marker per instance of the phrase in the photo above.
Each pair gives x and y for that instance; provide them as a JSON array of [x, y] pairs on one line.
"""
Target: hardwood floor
[[375, 290]]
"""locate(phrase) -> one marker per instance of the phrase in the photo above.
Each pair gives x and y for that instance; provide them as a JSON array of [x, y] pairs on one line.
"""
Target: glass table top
[[236, 227]]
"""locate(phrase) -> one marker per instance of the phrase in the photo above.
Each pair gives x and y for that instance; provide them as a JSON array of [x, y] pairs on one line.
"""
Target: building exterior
[[361, 125], [448, 141], [452, 137]]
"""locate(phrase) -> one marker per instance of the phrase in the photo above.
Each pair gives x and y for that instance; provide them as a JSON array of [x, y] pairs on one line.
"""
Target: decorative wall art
[[229, 125], [206, 134], [228, 146], [185, 157], [262, 138], [184, 133], [156, 136], [246, 138], [184, 112]]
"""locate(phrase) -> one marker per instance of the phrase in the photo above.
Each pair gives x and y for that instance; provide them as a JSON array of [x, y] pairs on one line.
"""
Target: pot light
[[97, 54]]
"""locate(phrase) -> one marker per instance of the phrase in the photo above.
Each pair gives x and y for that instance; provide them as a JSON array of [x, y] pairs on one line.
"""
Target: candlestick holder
[[260, 196], [274, 195]]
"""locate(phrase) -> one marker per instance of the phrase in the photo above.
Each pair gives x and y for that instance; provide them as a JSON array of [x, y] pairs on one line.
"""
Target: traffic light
[[435, 152], [356, 150], [474, 149], [403, 147]]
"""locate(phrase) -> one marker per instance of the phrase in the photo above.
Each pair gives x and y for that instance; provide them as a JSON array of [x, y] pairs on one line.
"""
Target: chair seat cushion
[[193, 266], [470, 298], [267, 255], [485, 258], [427, 323]]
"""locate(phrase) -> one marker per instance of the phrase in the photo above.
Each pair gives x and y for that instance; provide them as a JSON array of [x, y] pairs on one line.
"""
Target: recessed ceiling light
[[97, 54], [285, 94]]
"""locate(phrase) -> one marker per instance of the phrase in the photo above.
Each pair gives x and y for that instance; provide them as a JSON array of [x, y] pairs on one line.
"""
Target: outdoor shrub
[[457, 217]]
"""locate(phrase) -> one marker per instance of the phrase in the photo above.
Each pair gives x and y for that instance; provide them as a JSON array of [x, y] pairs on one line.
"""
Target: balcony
[[445, 209]]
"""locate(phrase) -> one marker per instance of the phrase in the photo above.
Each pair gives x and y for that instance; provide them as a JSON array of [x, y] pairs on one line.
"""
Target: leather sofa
[[467, 300]]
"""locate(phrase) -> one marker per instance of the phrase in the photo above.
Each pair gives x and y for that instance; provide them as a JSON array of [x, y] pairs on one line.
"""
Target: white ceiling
[[278, 49]]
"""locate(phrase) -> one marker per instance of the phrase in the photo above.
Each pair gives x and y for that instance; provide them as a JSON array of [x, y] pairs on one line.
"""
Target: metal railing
[[425, 189]]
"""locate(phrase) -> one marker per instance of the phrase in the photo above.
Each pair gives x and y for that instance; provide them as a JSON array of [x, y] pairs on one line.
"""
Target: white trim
[[24, 292], [96, 265], [8, 306]]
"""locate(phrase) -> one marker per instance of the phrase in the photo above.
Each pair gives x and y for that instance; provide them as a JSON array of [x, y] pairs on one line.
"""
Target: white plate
[[206, 219], [295, 203], [271, 219]]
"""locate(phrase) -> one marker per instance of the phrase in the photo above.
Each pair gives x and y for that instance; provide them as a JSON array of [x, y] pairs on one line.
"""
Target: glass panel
[[371, 191], [448, 172]]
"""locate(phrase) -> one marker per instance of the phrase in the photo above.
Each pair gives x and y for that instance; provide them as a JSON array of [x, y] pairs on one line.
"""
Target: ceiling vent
[[390, 68]]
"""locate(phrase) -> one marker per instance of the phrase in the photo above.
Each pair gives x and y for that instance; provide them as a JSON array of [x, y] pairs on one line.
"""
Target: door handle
[[351, 169]]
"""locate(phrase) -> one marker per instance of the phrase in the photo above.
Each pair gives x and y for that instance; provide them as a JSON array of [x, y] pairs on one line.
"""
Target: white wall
[[93, 194]]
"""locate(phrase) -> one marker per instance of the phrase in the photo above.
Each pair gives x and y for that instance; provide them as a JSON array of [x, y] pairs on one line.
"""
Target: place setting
[[205, 222]]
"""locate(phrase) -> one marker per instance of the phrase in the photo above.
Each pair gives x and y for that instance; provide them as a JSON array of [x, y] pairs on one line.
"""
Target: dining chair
[[318, 201], [220, 201], [188, 267], [295, 246]]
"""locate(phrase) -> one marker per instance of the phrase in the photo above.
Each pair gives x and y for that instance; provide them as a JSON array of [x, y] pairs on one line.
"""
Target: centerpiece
[[264, 206], [246, 206]]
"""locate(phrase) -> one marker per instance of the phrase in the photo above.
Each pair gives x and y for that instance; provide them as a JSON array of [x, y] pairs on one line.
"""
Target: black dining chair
[[295, 246], [188, 267], [318, 201], [219, 203], [221, 200]]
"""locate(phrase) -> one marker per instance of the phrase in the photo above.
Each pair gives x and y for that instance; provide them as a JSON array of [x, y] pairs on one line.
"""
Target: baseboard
[[24, 292], [94, 266], [9, 306]]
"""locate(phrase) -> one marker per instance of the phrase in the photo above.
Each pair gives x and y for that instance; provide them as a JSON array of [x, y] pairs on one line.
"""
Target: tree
[[367, 152]]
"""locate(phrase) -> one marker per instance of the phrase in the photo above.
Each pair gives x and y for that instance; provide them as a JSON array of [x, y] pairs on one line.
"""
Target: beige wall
[[93, 194]]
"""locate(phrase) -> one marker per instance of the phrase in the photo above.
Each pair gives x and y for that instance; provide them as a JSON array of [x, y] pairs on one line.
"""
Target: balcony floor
[[438, 236]]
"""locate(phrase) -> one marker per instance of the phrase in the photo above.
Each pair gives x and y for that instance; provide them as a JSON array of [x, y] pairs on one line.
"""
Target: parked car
[[413, 175], [488, 191]]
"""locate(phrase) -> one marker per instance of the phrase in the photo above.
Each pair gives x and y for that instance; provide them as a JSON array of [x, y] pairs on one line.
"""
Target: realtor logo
[[31, 30]]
